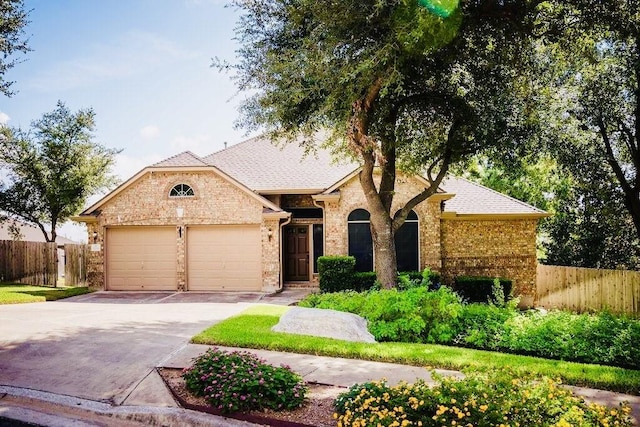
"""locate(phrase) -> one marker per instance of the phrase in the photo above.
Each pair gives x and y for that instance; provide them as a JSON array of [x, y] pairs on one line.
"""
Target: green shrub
[[348, 301], [364, 280], [602, 338], [423, 316], [483, 325], [412, 279], [414, 315], [480, 399], [240, 381], [430, 279], [336, 273], [481, 289]]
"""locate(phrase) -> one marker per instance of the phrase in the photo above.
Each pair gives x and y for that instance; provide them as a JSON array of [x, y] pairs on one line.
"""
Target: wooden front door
[[296, 261]]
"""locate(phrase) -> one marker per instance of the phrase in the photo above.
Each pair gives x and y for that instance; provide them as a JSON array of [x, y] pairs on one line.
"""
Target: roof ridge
[[187, 152], [506, 196], [246, 141]]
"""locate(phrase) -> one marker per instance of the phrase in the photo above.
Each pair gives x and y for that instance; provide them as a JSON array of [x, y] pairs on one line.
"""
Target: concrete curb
[[50, 409]]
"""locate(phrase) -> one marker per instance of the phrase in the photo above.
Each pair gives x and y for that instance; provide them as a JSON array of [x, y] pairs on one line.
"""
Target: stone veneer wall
[[505, 248], [146, 202], [352, 197]]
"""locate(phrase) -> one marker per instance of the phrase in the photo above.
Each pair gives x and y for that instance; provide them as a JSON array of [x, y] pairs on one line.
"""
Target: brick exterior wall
[[454, 247], [352, 197], [505, 248], [146, 202]]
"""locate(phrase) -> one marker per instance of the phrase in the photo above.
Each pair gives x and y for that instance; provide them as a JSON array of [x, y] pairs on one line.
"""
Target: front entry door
[[296, 262]]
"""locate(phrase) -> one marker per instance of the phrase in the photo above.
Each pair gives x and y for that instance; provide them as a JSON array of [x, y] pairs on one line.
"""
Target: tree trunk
[[384, 248]]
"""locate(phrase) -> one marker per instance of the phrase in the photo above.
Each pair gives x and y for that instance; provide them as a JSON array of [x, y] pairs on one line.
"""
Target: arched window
[[407, 244], [181, 190], [360, 243]]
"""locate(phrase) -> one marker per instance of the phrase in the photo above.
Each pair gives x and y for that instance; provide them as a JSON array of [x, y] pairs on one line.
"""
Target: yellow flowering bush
[[478, 400]]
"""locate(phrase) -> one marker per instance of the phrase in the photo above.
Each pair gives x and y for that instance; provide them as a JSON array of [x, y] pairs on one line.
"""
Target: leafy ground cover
[[441, 317], [16, 293], [252, 329]]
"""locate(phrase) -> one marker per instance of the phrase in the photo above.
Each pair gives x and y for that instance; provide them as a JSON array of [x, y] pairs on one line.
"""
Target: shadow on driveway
[[286, 297]]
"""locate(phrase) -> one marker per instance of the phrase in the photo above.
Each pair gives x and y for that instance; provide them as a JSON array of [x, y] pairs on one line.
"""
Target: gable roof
[[267, 168], [475, 199], [186, 158], [259, 167]]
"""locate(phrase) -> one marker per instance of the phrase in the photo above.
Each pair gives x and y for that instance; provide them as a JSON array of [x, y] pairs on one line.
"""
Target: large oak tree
[[594, 46], [396, 85]]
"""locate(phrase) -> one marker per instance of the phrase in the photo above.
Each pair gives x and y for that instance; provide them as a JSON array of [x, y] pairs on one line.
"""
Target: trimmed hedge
[[364, 280], [480, 289], [336, 272]]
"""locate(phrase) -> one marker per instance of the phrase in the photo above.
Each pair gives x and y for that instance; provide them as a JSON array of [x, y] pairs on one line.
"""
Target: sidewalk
[[151, 403]]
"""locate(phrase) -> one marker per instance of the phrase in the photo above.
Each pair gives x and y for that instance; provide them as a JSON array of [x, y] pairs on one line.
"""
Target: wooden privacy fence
[[588, 289], [75, 264], [34, 263]]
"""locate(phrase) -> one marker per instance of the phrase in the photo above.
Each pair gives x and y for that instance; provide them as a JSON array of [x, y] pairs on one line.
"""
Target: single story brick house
[[254, 217]]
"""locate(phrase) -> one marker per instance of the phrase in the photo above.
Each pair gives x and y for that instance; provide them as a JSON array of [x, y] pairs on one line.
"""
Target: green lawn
[[16, 293], [252, 329]]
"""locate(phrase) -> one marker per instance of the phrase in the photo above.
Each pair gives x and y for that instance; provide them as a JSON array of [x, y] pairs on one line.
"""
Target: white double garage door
[[221, 257]]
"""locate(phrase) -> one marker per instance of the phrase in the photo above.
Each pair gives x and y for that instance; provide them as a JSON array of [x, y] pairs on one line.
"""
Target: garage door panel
[[224, 258], [141, 258]]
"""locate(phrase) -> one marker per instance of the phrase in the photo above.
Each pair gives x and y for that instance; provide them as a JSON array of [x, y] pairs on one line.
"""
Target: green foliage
[[386, 82], [51, 171], [483, 289], [483, 325], [364, 280], [414, 315], [240, 381], [336, 273], [600, 338], [13, 20], [494, 398], [252, 329], [422, 316]]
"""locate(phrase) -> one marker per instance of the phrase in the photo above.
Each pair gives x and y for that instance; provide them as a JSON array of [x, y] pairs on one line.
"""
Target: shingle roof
[[186, 158], [264, 167], [472, 198]]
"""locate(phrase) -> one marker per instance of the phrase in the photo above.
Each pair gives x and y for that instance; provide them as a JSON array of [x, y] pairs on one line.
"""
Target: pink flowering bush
[[240, 381]]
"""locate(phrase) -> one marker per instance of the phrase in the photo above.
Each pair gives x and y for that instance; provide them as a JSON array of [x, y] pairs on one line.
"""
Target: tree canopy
[[49, 171], [13, 20], [396, 85]]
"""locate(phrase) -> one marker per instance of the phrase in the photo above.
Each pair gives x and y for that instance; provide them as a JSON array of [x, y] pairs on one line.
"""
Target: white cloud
[[127, 166], [198, 144], [134, 53], [149, 132], [4, 118]]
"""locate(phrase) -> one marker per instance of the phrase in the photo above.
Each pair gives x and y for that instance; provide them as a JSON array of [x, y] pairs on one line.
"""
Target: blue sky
[[142, 65]]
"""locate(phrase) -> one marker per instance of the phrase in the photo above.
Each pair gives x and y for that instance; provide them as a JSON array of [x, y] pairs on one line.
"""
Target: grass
[[17, 293], [252, 329]]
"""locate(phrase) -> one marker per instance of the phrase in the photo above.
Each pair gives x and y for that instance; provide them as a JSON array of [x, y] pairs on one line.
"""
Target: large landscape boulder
[[324, 323]]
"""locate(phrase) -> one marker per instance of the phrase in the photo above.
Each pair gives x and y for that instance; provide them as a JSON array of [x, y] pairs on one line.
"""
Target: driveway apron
[[100, 347]]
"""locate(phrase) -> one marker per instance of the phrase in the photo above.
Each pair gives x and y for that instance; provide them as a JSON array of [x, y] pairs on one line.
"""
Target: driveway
[[104, 346]]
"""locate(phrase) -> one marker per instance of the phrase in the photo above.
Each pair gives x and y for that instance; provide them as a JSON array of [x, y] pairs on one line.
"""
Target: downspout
[[280, 249]]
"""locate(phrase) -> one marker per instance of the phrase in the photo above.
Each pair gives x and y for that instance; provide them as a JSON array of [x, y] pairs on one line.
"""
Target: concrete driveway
[[105, 346]]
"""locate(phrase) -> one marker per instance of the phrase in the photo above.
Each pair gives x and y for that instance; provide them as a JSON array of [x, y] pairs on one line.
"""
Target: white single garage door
[[224, 257], [141, 259]]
